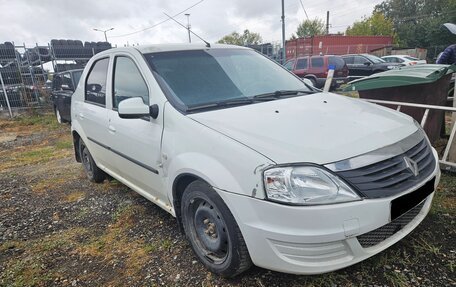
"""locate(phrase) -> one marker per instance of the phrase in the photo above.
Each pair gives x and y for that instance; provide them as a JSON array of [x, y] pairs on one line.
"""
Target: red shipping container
[[335, 45]]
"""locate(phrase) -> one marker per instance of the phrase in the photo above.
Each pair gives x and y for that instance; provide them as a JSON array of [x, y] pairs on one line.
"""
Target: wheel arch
[[179, 185]]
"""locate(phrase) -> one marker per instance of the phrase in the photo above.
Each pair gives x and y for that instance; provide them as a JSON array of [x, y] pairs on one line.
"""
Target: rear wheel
[[94, 173], [212, 231]]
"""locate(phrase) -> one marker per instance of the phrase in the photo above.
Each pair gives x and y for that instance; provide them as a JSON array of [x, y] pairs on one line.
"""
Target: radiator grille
[[393, 175]]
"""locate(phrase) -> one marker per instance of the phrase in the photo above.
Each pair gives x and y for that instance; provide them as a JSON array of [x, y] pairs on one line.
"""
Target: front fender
[[204, 167]]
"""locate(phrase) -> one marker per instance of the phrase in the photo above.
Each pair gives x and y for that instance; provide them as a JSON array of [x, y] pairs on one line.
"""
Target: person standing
[[448, 56]]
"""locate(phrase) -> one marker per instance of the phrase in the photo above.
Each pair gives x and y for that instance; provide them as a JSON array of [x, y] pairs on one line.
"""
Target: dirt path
[[58, 229]]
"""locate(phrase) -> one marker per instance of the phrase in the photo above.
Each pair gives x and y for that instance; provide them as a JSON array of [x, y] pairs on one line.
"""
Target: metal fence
[[448, 159], [26, 71]]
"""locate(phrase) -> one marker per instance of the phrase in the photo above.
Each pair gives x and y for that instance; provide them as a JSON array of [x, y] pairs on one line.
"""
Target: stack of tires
[[97, 47], [67, 49], [7, 51]]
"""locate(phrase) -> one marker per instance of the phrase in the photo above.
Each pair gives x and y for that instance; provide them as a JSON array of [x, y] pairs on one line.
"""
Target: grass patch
[[397, 279], [32, 267], [47, 184], [31, 155], [74, 196], [445, 197], [66, 144], [422, 244], [115, 243]]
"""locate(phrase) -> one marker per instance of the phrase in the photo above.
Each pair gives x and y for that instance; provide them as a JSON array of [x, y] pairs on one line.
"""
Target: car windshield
[[198, 78], [375, 59]]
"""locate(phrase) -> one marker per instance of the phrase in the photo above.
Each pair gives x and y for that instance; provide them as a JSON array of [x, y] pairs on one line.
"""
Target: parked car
[[63, 86], [361, 65], [256, 166], [403, 59], [315, 68]]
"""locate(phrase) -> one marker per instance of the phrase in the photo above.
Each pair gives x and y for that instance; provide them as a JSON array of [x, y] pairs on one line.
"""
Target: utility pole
[[327, 22], [283, 32], [104, 31], [188, 27]]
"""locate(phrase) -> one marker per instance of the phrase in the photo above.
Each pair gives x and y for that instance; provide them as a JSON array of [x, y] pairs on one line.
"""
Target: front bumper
[[316, 239]]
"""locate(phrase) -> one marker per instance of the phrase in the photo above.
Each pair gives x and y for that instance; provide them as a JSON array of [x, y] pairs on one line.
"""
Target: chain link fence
[[26, 71]]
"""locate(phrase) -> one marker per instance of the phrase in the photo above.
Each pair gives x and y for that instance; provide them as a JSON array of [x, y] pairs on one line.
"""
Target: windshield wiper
[[226, 103], [282, 93]]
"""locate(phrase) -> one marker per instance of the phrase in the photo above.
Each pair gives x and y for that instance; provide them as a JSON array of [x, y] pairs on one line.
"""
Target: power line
[[159, 23]]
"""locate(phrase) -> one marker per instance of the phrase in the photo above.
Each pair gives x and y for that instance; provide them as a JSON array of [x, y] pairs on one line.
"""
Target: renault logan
[[257, 166]]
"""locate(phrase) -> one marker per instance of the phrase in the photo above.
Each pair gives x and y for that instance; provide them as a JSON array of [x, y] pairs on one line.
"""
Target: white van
[[256, 165]]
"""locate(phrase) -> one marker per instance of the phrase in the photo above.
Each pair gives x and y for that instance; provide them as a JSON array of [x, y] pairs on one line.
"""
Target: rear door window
[[360, 60], [349, 60], [337, 62], [317, 62], [301, 64], [95, 86]]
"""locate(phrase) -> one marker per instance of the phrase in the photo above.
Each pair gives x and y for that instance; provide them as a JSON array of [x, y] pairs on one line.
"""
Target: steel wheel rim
[[209, 230]]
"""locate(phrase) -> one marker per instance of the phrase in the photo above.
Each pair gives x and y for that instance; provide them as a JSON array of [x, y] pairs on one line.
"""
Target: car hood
[[319, 128]]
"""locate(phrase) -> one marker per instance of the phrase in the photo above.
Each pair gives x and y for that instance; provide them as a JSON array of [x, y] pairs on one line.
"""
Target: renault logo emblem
[[411, 165]]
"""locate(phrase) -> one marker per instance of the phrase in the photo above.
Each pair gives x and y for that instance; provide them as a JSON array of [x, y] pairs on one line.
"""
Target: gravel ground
[[58, 229]]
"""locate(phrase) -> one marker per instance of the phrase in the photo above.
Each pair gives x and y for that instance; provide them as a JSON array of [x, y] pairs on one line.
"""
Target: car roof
[[153, 48], [396, 56], [355, 55]]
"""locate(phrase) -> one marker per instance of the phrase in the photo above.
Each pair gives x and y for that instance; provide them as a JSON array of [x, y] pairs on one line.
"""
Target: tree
[[311, 28], [418, 22], [375, 25], [247, 38]]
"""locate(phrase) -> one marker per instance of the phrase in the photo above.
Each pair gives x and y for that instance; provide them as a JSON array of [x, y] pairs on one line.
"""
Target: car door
[[301, 67], [135, 142], [65, 96], [92, 113], [361, 67]]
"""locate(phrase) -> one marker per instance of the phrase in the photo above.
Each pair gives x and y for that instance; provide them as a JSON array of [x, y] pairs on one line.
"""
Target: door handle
[[111, 129], [81, 115]]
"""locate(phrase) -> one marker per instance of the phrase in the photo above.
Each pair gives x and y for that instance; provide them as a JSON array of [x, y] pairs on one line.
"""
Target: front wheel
[[212, 231], [93, 173]]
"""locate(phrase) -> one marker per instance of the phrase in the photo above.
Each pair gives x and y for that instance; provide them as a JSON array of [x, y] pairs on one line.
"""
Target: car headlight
[[306, 185]]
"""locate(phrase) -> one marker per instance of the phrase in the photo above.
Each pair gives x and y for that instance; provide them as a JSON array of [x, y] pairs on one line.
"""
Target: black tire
[[93, 173], [212, 231]]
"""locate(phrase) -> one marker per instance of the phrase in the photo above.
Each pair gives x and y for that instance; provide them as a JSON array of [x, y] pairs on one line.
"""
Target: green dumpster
[[420, 84]]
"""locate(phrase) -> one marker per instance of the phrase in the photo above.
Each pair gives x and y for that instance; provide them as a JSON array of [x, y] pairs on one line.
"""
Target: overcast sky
[[38, 21]]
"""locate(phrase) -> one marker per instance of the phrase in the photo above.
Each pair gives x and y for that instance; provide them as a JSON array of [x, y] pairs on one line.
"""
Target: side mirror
[[367, 63], [308, 82], [133, 108], [67, 88]]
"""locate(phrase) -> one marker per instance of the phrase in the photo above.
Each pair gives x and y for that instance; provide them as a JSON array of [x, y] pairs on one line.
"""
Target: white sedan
[[256, 166], [403, 59]]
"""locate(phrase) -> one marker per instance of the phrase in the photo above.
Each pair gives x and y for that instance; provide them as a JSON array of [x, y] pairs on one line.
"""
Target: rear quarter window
[[317, 62]]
